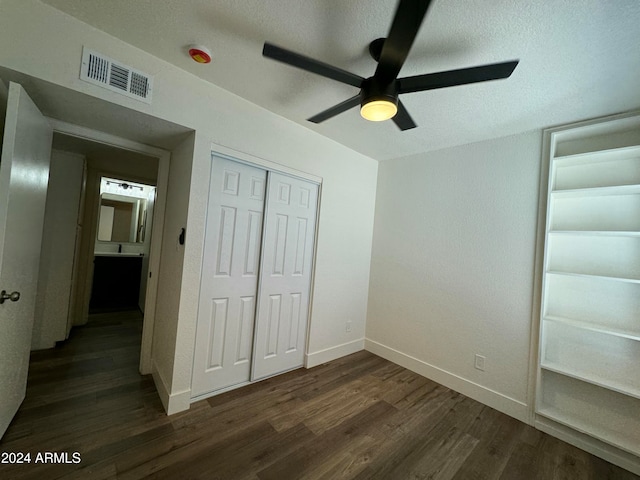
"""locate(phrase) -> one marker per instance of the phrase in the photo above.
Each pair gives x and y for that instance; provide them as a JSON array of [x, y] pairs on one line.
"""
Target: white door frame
[[157, 226]]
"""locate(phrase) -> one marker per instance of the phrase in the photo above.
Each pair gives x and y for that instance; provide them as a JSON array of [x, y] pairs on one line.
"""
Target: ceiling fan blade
[[402, 119], [336, 109], [405, 26], [311, 65], [431, 81]]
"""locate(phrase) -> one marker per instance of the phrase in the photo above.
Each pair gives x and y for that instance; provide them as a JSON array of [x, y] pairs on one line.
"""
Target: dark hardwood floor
[[359, 417]]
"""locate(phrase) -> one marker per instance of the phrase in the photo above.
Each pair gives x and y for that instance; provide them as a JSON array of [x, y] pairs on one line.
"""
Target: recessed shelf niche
[[588, 376]]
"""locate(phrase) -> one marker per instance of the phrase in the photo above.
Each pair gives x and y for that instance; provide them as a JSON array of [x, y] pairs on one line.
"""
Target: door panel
[[24, 174], [285, 279], [233, 236]]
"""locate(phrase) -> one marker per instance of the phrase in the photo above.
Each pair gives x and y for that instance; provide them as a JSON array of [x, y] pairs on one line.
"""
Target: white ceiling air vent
[[101, 70]]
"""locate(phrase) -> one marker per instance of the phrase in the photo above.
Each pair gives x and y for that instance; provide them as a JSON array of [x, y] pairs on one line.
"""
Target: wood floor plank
[[426, 437], [527, 462], [319, 456], [328, 410], [492, 453], [347, 373], [402, 385], [419, 416], [359, 417], [189, 459], [257, 449]]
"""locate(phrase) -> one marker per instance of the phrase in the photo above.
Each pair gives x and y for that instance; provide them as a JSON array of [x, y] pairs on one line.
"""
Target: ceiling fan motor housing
[[373, 90]]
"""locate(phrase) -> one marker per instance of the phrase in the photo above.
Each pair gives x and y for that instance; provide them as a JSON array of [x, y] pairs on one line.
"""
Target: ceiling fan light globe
[[378, 110]]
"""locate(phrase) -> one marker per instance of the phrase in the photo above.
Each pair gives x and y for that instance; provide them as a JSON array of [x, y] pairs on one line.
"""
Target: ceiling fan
[[378, 97]]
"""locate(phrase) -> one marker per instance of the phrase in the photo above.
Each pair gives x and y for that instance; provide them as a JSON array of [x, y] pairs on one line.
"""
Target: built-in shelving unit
[[589, 357]]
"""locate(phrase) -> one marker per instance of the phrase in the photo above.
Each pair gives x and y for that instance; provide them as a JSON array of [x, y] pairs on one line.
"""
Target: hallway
[[83, 394]]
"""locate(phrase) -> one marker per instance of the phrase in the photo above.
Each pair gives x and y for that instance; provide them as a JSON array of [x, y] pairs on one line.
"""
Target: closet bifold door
[[285, 275], [229, 283]]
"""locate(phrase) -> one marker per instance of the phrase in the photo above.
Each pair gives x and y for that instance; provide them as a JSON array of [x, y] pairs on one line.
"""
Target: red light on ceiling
[[200, 54]]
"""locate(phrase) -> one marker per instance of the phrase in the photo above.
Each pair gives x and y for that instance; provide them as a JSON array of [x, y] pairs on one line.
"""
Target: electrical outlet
[[480, 362], [348, 326]]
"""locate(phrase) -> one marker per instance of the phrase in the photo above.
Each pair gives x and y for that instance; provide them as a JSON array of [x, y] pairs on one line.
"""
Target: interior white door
[[24, 174], [226, 313], [285, 275]]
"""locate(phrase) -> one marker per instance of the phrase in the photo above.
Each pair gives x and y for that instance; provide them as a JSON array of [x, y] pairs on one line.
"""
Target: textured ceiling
[[578, 60]]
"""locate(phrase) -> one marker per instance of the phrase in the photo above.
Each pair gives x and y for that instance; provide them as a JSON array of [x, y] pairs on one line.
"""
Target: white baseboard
[[179, 402], [589, 444], [328, 354], [172, 402], [510, 406]]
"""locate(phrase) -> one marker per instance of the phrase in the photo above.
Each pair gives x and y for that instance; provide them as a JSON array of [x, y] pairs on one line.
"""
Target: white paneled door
[[24, 174], [224, 339], [256, 276], [285, 278]]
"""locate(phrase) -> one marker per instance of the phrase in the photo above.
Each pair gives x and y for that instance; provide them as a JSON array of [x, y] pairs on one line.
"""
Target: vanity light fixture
[[124, 185]]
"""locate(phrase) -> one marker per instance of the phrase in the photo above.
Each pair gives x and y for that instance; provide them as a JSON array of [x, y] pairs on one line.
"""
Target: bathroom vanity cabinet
[[116, 281]]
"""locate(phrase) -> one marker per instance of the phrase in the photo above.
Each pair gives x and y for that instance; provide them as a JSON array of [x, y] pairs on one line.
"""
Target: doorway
[[104, 122], [100, 157], [122, 244]]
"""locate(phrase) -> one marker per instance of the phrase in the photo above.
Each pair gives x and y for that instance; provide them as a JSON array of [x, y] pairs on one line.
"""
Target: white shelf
[[605, 256], [597, 191], [593, 300], [605, 360], [609, 168], [611, 154], [594, 380], [591, 409], [596, 233], [623, 442], [616, 212], [596, 136], [594, 327], [599, 277]]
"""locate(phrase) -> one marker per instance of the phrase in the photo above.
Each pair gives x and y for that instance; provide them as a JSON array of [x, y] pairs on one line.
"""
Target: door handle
[[14, 297]]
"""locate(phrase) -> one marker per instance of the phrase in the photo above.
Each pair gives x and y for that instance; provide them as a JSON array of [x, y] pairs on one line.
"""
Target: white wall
[[58, 248], [453, 266], [51, 45], [171, 280]]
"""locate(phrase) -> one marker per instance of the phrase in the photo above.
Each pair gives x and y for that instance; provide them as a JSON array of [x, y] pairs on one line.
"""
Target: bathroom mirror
[[123, 211]]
